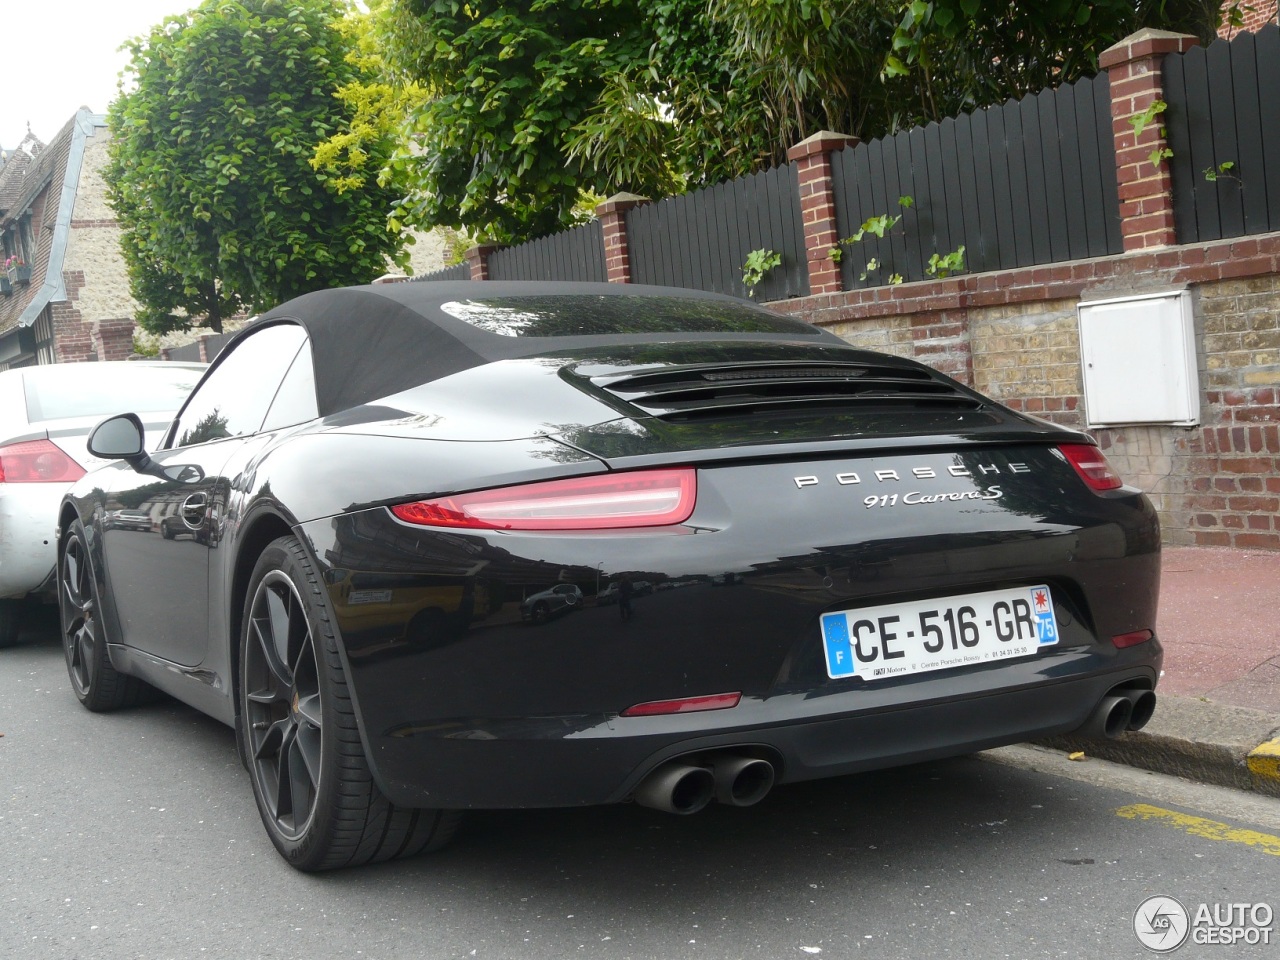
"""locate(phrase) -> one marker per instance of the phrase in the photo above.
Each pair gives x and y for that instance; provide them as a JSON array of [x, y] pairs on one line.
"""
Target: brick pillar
[[478, 259], [72, 337], [1146, 189], [112, 339], [612, 215], [812, 157]]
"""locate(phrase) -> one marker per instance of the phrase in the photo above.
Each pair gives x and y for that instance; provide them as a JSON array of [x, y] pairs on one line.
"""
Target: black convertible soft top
[[374, 341]]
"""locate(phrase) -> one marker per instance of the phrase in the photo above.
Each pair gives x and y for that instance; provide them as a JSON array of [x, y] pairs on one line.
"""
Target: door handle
[[193, 508]]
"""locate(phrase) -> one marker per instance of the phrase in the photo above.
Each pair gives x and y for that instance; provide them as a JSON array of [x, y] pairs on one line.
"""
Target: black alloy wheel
[[97, 684], [283, 716], [299, 732]]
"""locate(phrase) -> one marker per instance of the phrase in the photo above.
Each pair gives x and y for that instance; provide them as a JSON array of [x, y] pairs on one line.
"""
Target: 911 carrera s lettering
[[916, 497]]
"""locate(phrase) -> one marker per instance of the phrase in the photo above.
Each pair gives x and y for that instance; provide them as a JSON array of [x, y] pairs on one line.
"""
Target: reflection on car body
[[545, 604], [402, 475]]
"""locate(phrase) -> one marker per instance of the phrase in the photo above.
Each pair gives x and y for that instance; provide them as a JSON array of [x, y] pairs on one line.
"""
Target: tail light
[[643, 498], [1091, 465], [37, 461], [658, 708], [1123, 640]]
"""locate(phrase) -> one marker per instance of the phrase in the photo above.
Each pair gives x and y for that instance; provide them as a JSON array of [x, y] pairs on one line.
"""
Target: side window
[[295, 401], [234, 400]]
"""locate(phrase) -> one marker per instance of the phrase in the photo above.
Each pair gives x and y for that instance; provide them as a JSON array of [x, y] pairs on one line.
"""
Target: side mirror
[[120, 438]]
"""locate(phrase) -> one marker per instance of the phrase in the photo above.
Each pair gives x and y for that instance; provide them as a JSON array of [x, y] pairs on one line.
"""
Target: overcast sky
[[60, 55]]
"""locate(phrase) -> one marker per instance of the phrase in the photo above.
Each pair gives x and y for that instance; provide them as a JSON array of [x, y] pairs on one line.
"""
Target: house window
[[26, 241]]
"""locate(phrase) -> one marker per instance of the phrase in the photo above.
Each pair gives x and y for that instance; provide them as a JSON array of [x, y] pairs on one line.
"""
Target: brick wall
[[112, 339], [72, 334], [1257, 14]]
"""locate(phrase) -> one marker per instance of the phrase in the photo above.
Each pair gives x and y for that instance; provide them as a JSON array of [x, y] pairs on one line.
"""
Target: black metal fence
[[1031, 181], [576, 254], [702, 239], [459, 271], [1223, 122]]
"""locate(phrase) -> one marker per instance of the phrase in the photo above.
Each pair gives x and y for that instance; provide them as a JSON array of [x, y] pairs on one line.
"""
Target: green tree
[[508, 119], [521, 108], [507, 83], [684, 117], [817, 63], [959, 54], [210, 167]]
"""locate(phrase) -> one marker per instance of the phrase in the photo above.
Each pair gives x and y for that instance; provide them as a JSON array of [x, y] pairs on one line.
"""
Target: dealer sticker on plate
[[923, 635]]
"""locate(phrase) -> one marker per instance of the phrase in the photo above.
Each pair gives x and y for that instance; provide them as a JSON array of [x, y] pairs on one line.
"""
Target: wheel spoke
[[302, 782], [309, 748], [265, 696], [306, 682], [309, 708], [276, 670], [271, 743], [284, 778], [82, 648], [75, 649], [277, 613], [71, 572]]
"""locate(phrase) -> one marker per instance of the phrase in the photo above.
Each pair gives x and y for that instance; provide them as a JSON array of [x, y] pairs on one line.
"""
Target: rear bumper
[[573, 761], [487, 710], [28, 517]]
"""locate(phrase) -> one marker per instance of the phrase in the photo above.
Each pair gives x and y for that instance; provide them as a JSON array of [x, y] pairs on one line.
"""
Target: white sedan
[[46, 413]]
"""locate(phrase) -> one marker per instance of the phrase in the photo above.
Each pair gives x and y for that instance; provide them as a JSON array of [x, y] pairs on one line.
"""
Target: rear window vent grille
[[686, 393]]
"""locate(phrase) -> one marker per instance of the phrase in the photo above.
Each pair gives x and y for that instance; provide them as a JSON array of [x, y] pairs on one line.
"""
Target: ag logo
[[1162, 924]]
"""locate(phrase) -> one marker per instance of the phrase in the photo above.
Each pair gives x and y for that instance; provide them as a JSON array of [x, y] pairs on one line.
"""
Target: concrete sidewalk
[[1218, 716]]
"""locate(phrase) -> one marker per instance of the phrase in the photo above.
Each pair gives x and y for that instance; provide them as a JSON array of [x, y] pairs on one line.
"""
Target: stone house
[[67, 298]]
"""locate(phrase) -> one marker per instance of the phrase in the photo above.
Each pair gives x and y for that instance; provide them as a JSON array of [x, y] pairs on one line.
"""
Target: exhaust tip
[[1144, 707], [1110, 718], [676, 788], [742, 781]]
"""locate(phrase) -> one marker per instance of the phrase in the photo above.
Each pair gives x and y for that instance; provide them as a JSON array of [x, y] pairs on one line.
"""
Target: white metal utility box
[[1138, 355]]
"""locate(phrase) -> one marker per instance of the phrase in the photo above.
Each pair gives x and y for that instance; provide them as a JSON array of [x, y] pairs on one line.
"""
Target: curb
[[1264, 762], [1199, 740]]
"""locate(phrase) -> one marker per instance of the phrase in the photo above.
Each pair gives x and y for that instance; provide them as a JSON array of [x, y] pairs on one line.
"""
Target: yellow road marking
[[1200, 827], [1264, 760]]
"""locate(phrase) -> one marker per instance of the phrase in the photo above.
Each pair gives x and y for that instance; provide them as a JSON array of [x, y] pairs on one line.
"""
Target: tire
[[310, 776], [13, 614], [96, 683], [541, 612]]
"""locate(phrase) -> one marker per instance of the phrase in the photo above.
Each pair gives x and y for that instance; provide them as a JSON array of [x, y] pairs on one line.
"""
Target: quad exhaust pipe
[[684, 787], [1123, 708]]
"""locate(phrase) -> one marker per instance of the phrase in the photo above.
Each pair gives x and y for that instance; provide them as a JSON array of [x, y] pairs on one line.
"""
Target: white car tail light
[[37, 461]]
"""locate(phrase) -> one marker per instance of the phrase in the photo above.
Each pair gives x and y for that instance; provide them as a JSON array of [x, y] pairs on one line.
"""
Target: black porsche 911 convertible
[[822, 560]]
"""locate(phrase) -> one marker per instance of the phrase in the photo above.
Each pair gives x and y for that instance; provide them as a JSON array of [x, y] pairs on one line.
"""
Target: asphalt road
[[135, 835]]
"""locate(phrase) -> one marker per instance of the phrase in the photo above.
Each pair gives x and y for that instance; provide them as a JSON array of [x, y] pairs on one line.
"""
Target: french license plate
[[904, 638]]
